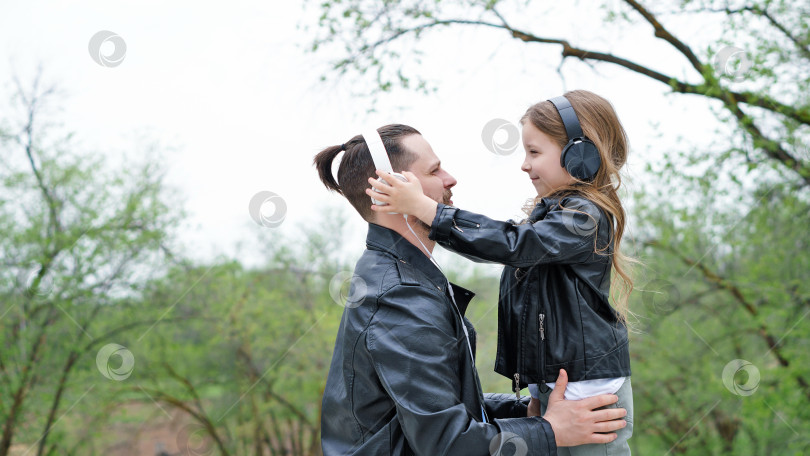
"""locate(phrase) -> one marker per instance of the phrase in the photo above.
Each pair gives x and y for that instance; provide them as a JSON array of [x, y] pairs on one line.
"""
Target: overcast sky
[[238, 108]]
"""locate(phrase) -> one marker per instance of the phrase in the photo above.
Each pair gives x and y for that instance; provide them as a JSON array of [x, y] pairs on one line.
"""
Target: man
[[402, 379]]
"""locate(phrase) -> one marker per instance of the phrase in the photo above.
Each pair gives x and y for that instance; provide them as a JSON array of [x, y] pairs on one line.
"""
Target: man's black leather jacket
[[402, 381], [553, 309]]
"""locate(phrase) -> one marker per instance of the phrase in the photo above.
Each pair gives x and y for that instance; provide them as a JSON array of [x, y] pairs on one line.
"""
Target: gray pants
[[616, 447]]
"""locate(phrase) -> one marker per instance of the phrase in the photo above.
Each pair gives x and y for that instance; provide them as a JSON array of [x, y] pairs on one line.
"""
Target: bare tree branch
[[710, 88], [663, 33], [801, 46]]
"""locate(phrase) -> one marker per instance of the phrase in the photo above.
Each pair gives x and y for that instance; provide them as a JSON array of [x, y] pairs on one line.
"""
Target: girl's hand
[[402, 197]]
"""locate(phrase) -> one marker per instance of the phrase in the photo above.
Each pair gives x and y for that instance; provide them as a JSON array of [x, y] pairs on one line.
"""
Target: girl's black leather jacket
[[553, 309]]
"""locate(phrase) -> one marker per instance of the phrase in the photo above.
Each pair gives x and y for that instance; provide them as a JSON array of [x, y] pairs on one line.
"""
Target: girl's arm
[[562, 236]]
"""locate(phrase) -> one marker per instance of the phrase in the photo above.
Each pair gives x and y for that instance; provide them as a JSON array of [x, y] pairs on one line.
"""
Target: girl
[[554, 306]]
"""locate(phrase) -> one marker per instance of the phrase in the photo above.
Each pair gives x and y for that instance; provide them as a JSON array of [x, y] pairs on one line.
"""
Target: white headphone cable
[[453, 299]]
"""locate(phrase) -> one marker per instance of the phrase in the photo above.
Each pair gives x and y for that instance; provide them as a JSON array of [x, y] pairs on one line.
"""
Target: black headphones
[[579, 157]]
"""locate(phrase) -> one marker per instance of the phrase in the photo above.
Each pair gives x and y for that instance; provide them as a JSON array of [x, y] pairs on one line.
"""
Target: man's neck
[[397, 223]]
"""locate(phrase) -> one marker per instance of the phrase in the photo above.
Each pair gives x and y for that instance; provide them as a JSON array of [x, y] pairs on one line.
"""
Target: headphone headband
[[569, 117], [377, 149]]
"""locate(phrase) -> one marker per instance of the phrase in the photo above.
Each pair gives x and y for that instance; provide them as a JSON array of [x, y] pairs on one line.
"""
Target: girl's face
[[542, 162]]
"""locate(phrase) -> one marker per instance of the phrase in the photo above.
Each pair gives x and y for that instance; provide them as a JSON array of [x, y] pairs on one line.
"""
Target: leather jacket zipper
[[542, 329], [517, 386], [470, 225], [543, 388]]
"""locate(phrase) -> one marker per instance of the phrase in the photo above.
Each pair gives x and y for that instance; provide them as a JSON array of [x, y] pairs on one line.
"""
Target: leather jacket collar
[[542, 207], [389, 241]]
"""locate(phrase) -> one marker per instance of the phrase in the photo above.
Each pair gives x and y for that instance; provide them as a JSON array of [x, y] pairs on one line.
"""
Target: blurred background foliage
[[232, 360]]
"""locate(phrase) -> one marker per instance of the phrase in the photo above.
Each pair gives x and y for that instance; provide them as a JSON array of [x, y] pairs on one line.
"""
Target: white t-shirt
[[585, 388]]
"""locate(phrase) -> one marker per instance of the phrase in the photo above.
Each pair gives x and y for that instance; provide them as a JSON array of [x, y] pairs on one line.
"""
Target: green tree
[[76, 237], [247, 355]]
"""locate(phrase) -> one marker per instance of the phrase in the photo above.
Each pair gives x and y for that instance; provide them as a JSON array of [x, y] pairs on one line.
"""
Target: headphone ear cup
[[581, 159], [378, 202]]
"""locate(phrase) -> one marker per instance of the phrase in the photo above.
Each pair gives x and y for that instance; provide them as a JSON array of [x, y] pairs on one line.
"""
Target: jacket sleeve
[[414, 350], [564, 236], [501, 405]]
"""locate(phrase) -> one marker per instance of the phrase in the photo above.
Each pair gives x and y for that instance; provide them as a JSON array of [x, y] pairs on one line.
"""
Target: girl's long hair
[[601, 125]]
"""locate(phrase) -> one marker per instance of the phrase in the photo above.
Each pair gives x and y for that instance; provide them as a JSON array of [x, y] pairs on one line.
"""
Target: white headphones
[[381, 161]]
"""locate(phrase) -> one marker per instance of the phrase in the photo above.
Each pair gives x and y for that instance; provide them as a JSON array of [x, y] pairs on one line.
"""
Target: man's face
[[436, 182]]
